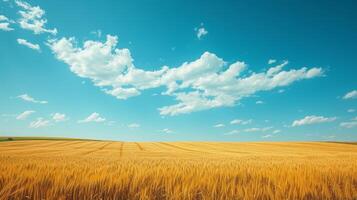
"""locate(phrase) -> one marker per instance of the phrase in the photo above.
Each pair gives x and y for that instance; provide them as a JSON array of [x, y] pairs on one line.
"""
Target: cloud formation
[[5, 23], [241, 122], [32, 18], [166, 130], [351, 95], [25, 114], [206, 83], [94, 117], [271, 61], [219, 126], [134, 125], [59, 117], [349, 124], [28, 44], [28, 98], [200, 32], [39, 122], [312, 119]]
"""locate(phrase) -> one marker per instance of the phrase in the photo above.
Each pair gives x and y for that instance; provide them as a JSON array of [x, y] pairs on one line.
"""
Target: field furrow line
[[139, 146], [98, 149], [121, 149], [181, 148]]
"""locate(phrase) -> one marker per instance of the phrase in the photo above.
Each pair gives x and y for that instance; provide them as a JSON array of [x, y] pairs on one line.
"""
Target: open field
[[49, 169]]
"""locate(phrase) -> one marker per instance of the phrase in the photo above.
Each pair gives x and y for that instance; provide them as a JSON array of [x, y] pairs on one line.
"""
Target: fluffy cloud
[[28, 98], [5, 23], [134, 125], [24, 115], [40, 122], [28, 44], [351, 95], [94, 117], [312, 119], [200, 32], [59, 117], [32, 18], [206, 83], [242, 122], [350, 124], [219, 126]]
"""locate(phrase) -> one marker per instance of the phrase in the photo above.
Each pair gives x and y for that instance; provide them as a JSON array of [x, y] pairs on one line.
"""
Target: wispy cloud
[[40, 122], [349, 124], [25, 114], [219, 126], [259, 102], [29, 44], [312, 119], [5, 23], [351, 95], [200, 32], [166, 130], [271, 61], [255, 129], [32, 18], [241, 122], [351, 110], [94, 117], [134, 125], [28, 98]]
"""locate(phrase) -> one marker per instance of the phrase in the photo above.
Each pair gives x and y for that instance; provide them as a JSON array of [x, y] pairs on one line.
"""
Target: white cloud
[[271, 61], [233, 132], [97, 33], [25, 114], [134, 125], [351, 110], [32, 18], [3, 18], [350, 124], [258, 129], [351, 95], [218, 125], [28, 98], [5, 26], [28, 44], [276, 131], [241, 122], [94, 117], [259, 102], [40, 122], [200, 32], [59, 117], [203, 84], [312, 119], [267, 136], [166, 130], [5, 23]]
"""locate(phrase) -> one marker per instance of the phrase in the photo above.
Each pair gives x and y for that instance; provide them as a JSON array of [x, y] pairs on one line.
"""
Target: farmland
[[79, 169]]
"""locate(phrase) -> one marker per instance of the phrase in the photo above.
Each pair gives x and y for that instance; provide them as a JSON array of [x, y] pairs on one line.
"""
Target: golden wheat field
[[177, 170]]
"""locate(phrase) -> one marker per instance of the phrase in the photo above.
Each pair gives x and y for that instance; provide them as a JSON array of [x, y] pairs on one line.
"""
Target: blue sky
[[178, 70]]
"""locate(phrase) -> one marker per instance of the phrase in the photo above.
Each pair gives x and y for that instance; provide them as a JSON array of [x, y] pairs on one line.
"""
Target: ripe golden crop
[[177, 170]]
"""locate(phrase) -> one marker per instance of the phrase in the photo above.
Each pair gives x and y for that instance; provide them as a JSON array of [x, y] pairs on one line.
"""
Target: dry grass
[[117, 170]]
